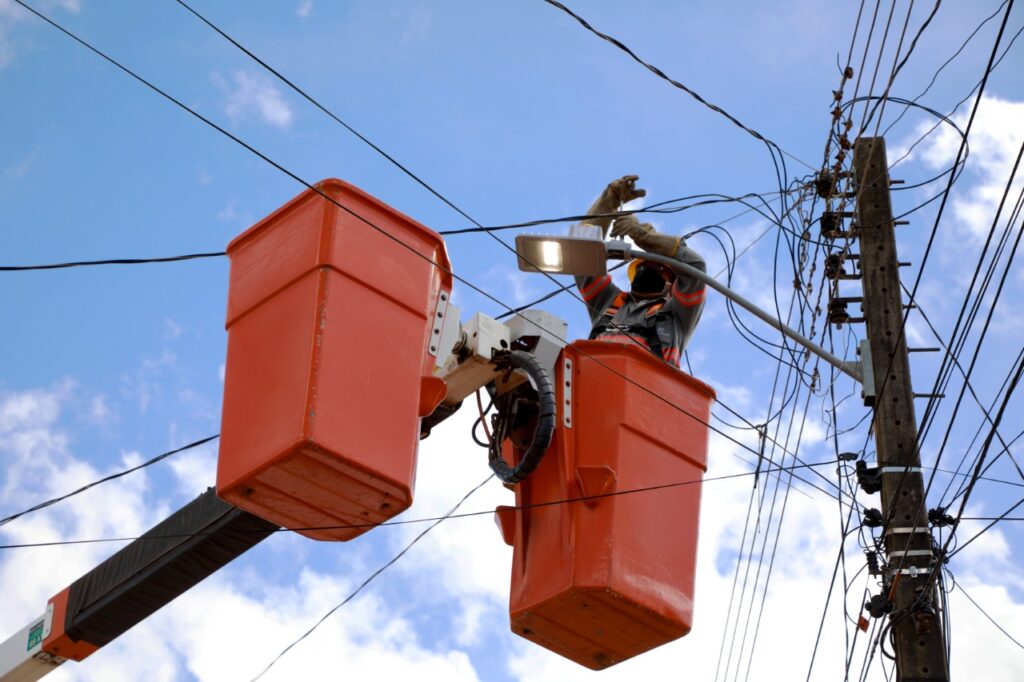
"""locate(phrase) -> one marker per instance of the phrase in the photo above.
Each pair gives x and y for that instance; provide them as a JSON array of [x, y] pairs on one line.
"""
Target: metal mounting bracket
[[868, 390], [567, 393]]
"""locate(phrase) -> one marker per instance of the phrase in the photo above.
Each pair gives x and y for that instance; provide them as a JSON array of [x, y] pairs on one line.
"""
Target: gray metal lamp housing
[[561, 255]]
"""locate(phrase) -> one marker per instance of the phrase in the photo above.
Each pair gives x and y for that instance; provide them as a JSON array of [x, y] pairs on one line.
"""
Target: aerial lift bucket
[[605, 530], [329, 363]]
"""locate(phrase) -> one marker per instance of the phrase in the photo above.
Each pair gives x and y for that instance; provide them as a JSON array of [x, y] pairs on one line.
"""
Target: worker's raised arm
[[599, 292]]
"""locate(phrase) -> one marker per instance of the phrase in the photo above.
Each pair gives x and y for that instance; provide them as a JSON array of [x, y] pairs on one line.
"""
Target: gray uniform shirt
[[672, 316]]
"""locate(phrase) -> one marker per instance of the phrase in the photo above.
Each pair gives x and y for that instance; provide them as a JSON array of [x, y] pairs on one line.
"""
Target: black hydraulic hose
[[542, 433]]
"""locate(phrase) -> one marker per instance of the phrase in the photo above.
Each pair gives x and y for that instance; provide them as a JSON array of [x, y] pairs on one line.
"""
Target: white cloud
[[304, 9], [251, 96], [994, 142], [11, 13], [172, 330], [145, 384], [230, 211], [195, 469], [515, 286], [99, 411], [240, 611], [73, 6], [457, 577]]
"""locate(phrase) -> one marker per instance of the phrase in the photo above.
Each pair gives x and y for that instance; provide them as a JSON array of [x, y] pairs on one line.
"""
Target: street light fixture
[[561, 255]]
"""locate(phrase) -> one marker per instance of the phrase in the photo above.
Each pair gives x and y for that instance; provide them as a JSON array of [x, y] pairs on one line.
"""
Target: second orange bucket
[[610, 576]]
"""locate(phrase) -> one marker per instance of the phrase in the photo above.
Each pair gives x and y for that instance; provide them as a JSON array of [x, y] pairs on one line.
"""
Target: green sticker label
[[35, 636]]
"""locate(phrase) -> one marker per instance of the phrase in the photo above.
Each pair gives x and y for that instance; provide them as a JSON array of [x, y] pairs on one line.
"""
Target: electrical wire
[[660, 208], [111, 261], [322, 194], [1002, 517], [464, 499], [945, 195], [989, 617], [663, 207], [946, 63], [479, 227], [661, 74], [147, 463], [464, 515], [302, 93], [371, 577]]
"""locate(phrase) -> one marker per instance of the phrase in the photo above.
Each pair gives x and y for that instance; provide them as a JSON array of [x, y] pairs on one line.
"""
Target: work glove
[[617, 192], [630, 226], [621, 191], [645, 236]]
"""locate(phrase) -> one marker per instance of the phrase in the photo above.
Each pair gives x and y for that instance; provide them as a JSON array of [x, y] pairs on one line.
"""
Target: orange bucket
[[329, 366], [601, 580]]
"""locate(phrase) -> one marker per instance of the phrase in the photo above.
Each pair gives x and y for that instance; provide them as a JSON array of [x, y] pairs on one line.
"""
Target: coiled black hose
[[542, 433]]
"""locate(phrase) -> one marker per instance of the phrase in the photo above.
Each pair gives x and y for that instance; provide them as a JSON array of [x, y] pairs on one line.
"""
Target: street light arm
[[621, 250]]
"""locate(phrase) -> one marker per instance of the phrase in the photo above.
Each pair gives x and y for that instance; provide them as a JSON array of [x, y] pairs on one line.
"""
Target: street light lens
[[551, 256], [561, 255]]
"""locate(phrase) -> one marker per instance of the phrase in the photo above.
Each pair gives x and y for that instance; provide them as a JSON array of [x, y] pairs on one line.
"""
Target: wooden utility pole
[[916, 622]]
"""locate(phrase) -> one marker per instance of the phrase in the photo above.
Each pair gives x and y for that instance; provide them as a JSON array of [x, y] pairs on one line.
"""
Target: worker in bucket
[[662, 307]]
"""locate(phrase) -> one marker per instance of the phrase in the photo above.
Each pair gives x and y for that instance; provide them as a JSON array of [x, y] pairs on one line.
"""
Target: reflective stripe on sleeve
[[595, 287], [689, 300]]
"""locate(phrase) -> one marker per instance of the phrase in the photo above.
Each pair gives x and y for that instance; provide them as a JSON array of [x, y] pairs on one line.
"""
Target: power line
[[944, 65], [910, 50], [663, 207], [945, 195], [1002, 517], [464, 515], [661, 74], [774, 549], [421, 182], [990, 618], [111, 261], [302, 93], [977, 469], [316, 189], [148, 462], [373, 575], [354, 214], [945, 370], [294, 176]]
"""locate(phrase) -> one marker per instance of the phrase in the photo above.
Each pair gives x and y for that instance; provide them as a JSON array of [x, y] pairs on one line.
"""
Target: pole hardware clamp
[[879, 606], [939, 518], [835, 268], [836, 312], [868, 478], [872, 559], [832, 223], [872, 518]]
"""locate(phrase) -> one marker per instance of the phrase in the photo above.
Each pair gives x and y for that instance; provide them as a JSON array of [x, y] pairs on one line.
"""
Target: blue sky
[[514, 112]]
